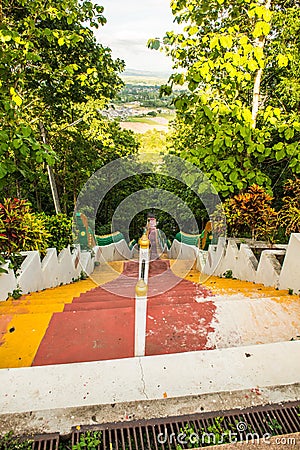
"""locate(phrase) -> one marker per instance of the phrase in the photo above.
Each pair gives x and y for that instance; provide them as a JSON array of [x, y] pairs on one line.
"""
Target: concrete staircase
[[81, 322], [70, 349]]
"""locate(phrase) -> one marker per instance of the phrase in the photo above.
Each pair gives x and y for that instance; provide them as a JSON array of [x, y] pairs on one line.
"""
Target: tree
[[83, 149], [50, 64], [233, 121], [153, 141]]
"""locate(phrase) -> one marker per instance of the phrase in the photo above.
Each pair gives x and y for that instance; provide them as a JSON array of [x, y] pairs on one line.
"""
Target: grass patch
[[148, 120]]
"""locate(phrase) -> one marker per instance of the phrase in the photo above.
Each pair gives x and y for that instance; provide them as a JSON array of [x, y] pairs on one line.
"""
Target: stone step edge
[[62, 420], [215, 300], [149, 378]]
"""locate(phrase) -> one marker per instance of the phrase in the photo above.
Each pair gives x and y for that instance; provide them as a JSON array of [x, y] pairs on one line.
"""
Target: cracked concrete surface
[[143, 379]]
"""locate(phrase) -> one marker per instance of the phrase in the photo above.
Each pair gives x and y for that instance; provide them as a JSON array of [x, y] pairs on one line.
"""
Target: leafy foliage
[[20, 229], [89, 441], [2, 262], [59, 228], [251, 211], [153, 141], [53, 73], [289, 214], [10, 442], [230, 54]]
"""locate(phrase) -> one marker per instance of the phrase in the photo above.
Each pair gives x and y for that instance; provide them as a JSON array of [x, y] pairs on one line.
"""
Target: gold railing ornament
[[141, 288], [144, 242]]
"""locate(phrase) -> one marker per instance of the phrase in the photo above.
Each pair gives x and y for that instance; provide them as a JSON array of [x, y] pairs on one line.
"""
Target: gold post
[[141, 288], [144, 242]]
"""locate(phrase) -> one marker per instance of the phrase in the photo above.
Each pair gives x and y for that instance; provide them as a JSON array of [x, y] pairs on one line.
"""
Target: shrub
[[20, 228], [2, 262], [251, 211], [102, 230], [10, 442], [289, 215], [59, 228]]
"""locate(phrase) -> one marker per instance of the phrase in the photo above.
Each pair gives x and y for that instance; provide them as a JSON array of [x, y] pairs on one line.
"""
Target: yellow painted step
[[23, 322], [19, 345], [228, 286], [27, 308]]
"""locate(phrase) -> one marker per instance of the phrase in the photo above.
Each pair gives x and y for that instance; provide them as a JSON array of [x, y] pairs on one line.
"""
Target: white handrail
[[141, 297], [144, 258]]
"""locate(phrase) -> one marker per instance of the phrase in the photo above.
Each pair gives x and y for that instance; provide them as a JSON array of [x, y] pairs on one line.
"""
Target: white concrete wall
[[215, 257], [244, 265], [269, 268], [36, 275], [290, 274], [247, 264], [179, 250], [8, 282], [30, 278], [211, 259], [242, 262], [117, 251]]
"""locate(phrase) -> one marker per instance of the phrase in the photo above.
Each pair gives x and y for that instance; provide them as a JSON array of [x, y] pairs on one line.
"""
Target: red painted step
[[94, 305], [99, 295], [156, 267], [179, 328], [99, 325], [87, 336]]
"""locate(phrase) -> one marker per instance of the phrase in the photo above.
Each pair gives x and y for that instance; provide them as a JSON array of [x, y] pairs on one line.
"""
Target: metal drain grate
[[46, 442], [198, 430]]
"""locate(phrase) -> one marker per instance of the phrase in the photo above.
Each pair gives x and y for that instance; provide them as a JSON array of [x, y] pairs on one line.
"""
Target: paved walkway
[[81, 322]]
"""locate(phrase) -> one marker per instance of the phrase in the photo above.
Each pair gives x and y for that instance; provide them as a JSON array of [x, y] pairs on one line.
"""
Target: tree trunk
[[257, 81], [51, 175]]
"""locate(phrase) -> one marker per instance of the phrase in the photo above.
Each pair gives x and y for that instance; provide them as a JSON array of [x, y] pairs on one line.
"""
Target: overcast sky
[[130, 23]]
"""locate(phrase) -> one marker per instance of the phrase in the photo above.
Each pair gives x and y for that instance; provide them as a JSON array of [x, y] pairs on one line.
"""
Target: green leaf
[[283, 60], [91, 70], [17, 99], [252, 65], [266, 28], [247, 115], [153, 44], [3, 136], [278, 146], [214, 42], [196, 77], [280, 154], [192, 30], [226, 41], [289, 133], [24, 150], [208, 112], [26, 131], [17, 143], [228, 141], [3, 171], [234, 176], [218, 175]]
